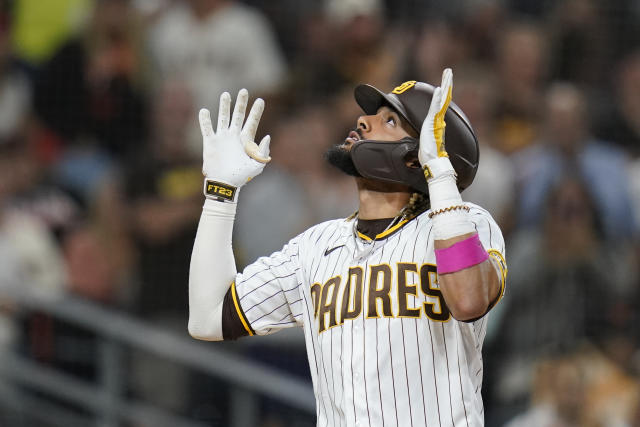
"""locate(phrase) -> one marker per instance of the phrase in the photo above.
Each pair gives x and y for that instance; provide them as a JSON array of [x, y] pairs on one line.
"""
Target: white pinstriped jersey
[[383, 349]]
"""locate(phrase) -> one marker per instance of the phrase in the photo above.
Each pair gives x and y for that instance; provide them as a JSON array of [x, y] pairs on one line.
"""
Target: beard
[[340, 158]]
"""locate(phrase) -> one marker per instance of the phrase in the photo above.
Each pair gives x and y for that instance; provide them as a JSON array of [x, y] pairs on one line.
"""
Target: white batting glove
[[432, 153], [231, 158], [447, 208]]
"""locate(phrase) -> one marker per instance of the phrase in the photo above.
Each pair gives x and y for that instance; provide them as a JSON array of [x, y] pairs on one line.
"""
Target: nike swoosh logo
[[328, 251]]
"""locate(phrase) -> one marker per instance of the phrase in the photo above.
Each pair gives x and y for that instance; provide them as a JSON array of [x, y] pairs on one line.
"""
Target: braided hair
[[418, 203]]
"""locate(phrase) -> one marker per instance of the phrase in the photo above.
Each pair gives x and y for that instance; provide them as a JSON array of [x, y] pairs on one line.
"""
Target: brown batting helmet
[[387, 161]]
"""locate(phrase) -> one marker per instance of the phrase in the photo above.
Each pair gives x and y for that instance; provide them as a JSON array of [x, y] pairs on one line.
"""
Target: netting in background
[[100, 181]]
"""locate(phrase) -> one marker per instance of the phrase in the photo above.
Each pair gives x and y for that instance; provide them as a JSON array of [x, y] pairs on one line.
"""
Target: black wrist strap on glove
[[219, 191]]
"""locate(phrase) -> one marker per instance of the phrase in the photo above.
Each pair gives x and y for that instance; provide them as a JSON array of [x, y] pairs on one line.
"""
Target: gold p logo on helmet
[[404, 87]]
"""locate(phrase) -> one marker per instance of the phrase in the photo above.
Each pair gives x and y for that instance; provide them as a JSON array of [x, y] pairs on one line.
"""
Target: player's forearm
[[467, 279], [468, 292], [212, 270]]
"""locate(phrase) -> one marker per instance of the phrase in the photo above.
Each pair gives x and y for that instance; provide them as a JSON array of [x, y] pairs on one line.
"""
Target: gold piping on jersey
[[241, 315], [502, 265], [385, 233]]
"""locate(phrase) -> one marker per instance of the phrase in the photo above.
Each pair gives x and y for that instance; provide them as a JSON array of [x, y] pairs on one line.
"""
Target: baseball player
[[393, 299]]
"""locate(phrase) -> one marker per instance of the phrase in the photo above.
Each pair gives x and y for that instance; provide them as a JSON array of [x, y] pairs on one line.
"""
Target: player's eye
[[392, 120]]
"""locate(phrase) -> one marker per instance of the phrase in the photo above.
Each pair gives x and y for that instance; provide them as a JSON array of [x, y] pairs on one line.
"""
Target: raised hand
[[432, 134], [231, 158]]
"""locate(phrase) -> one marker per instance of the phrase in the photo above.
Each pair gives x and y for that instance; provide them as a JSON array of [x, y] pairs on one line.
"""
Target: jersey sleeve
[[265, 297], [491, 237]]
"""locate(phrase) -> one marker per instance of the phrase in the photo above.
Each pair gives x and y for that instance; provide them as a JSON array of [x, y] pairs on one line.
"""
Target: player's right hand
[[230, 155], [432, 153]]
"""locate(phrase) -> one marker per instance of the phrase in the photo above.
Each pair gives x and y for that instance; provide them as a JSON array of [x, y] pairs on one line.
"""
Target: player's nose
[[364, 124]]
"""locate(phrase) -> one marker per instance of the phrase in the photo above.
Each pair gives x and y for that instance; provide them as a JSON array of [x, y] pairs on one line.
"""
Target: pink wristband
[[461, 255]]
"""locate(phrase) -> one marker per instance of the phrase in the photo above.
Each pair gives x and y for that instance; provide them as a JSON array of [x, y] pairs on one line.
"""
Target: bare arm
[[469, 292]]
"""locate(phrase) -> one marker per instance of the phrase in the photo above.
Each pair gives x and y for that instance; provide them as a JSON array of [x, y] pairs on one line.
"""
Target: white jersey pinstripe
[[400, 360]]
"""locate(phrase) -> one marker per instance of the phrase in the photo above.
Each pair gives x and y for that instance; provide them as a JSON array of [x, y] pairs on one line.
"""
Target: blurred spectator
[[612, 391], [580, 388], [481, 26], [30, 258], [566, 285], [278, 198], [313, 75], [150, 10], [621, 125], [34, 193], [579, 43], [344, 43], [40, 28], [215, 46], [436, 47], [621, 21], [87, 94], [15, 89], [532, 8], [99, 251], [568, 146], [296, 190], [99, 262], [302, 141], [557, 396], [365, 50], [163, 187], [30, 252], [521, 69], [288, 19], [332, 194], [634, 184], [493, 186]]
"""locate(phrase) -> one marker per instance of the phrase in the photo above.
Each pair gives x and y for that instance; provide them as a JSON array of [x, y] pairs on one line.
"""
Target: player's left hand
[[432, 143]]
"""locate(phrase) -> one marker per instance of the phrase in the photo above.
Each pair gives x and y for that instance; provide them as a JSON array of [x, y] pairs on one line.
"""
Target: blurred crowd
[[100, 167]]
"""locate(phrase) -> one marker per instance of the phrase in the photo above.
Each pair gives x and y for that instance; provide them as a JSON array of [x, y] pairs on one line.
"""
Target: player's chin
[[338, 155]]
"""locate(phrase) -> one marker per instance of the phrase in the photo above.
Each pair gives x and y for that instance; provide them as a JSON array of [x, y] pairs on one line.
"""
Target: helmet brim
[[371, 99]]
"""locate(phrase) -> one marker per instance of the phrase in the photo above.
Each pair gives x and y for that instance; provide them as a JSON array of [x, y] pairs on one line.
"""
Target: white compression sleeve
[[212, 269], [443, 193]]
